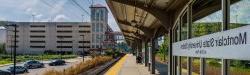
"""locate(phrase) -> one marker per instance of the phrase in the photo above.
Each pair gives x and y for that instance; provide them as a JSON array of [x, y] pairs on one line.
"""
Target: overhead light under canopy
[[133, 23]]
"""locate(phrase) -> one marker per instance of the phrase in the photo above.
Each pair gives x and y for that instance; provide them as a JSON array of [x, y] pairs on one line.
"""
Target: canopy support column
[[146, 53], [226, 19], [153, 41], [170, 60]]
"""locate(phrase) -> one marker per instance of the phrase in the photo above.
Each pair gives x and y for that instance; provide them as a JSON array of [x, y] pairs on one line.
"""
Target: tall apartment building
[[99, 20], [37, 37]]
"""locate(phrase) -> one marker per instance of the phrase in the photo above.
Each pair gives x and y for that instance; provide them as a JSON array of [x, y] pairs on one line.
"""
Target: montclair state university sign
[[230, 44]]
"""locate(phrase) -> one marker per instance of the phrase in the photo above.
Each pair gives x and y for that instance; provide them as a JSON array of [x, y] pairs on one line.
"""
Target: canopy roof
[[146, 19]]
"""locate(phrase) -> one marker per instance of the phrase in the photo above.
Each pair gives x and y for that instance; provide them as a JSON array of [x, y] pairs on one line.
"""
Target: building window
[[37, 26], [64, 31], [63, 26], [93, 14], [97, 27], [64, 41], [63, 46], [101, 14], [97, 38], [13, 41], [37, 41], [93, 27], [97, 15], [84, 47], [84, 41], [84, 26], [37, 46], [93, 38], [37, 36], [64, 36], [12, 36], [12, 46], [101, 27], [37, 31], [84, 31]]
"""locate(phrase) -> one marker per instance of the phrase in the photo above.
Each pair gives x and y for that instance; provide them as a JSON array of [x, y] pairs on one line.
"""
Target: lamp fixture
[[133, 23]]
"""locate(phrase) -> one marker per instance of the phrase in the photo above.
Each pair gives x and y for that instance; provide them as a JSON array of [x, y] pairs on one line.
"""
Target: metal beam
[[147, 31], [139, 35], [189, 36], [160, 14]]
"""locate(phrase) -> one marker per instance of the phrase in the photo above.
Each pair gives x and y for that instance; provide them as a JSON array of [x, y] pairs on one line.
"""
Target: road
[[39, 71]]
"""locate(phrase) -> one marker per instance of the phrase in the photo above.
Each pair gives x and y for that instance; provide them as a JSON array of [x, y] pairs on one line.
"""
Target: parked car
[[2, 72], [57, 62], [19, 69], [33, 64]]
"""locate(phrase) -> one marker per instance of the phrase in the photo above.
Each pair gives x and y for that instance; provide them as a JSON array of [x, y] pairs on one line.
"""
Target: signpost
[[230, 44]]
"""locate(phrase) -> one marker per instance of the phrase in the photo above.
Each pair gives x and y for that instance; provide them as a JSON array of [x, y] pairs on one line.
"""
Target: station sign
[[230, 44]]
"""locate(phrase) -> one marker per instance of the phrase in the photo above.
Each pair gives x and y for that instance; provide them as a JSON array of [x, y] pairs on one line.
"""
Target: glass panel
[[206, 21], [93, 40], [93, 27], [97, 27], [239, 13], [239, 16], [101, 29]]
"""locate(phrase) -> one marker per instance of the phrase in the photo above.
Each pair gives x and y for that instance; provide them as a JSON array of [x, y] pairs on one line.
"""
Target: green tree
[[163, 50]]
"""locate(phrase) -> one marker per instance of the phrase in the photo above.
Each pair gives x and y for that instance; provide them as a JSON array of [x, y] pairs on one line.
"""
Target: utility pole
[[83, 52], [15, 45]]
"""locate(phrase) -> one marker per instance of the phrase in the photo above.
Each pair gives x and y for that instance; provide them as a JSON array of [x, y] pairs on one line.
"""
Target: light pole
[[82, 18], [33, 18], [83, 53], [15, 45]]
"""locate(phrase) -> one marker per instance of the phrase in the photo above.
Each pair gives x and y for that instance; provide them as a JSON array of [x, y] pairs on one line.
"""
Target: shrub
[[80, 67], [214, 63]]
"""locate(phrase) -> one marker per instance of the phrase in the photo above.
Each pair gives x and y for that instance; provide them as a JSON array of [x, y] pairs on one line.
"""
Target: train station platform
[[128, 66]]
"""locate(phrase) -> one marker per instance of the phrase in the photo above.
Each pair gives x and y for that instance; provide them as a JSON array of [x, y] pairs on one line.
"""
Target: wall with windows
[[204, 20], [37, 37], [99, 25]]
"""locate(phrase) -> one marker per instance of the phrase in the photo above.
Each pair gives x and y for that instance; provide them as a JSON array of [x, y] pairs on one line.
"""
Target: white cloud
[[3, 19], [60, 18], [38, 15], [28, 4], [58, 7]]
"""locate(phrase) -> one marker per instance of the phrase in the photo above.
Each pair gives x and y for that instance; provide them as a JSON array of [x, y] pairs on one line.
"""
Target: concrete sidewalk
[[130, 67]]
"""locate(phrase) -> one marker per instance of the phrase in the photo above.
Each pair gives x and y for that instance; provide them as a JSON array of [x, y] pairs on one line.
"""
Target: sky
[[50, 10]]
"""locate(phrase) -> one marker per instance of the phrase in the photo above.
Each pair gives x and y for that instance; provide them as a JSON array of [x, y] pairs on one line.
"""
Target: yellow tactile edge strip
[[114, 70]]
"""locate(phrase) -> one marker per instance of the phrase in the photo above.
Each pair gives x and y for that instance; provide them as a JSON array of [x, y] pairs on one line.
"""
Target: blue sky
[[49, 10]]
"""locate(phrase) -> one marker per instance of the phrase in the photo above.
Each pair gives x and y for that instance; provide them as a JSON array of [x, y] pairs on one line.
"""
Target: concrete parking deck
[[128, 66]]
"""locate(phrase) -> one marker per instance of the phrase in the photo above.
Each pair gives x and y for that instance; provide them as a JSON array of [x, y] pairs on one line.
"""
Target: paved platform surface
[[128, 66]]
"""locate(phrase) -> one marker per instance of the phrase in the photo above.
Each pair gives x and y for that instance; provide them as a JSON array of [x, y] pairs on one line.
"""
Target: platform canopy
[[145, 19]]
